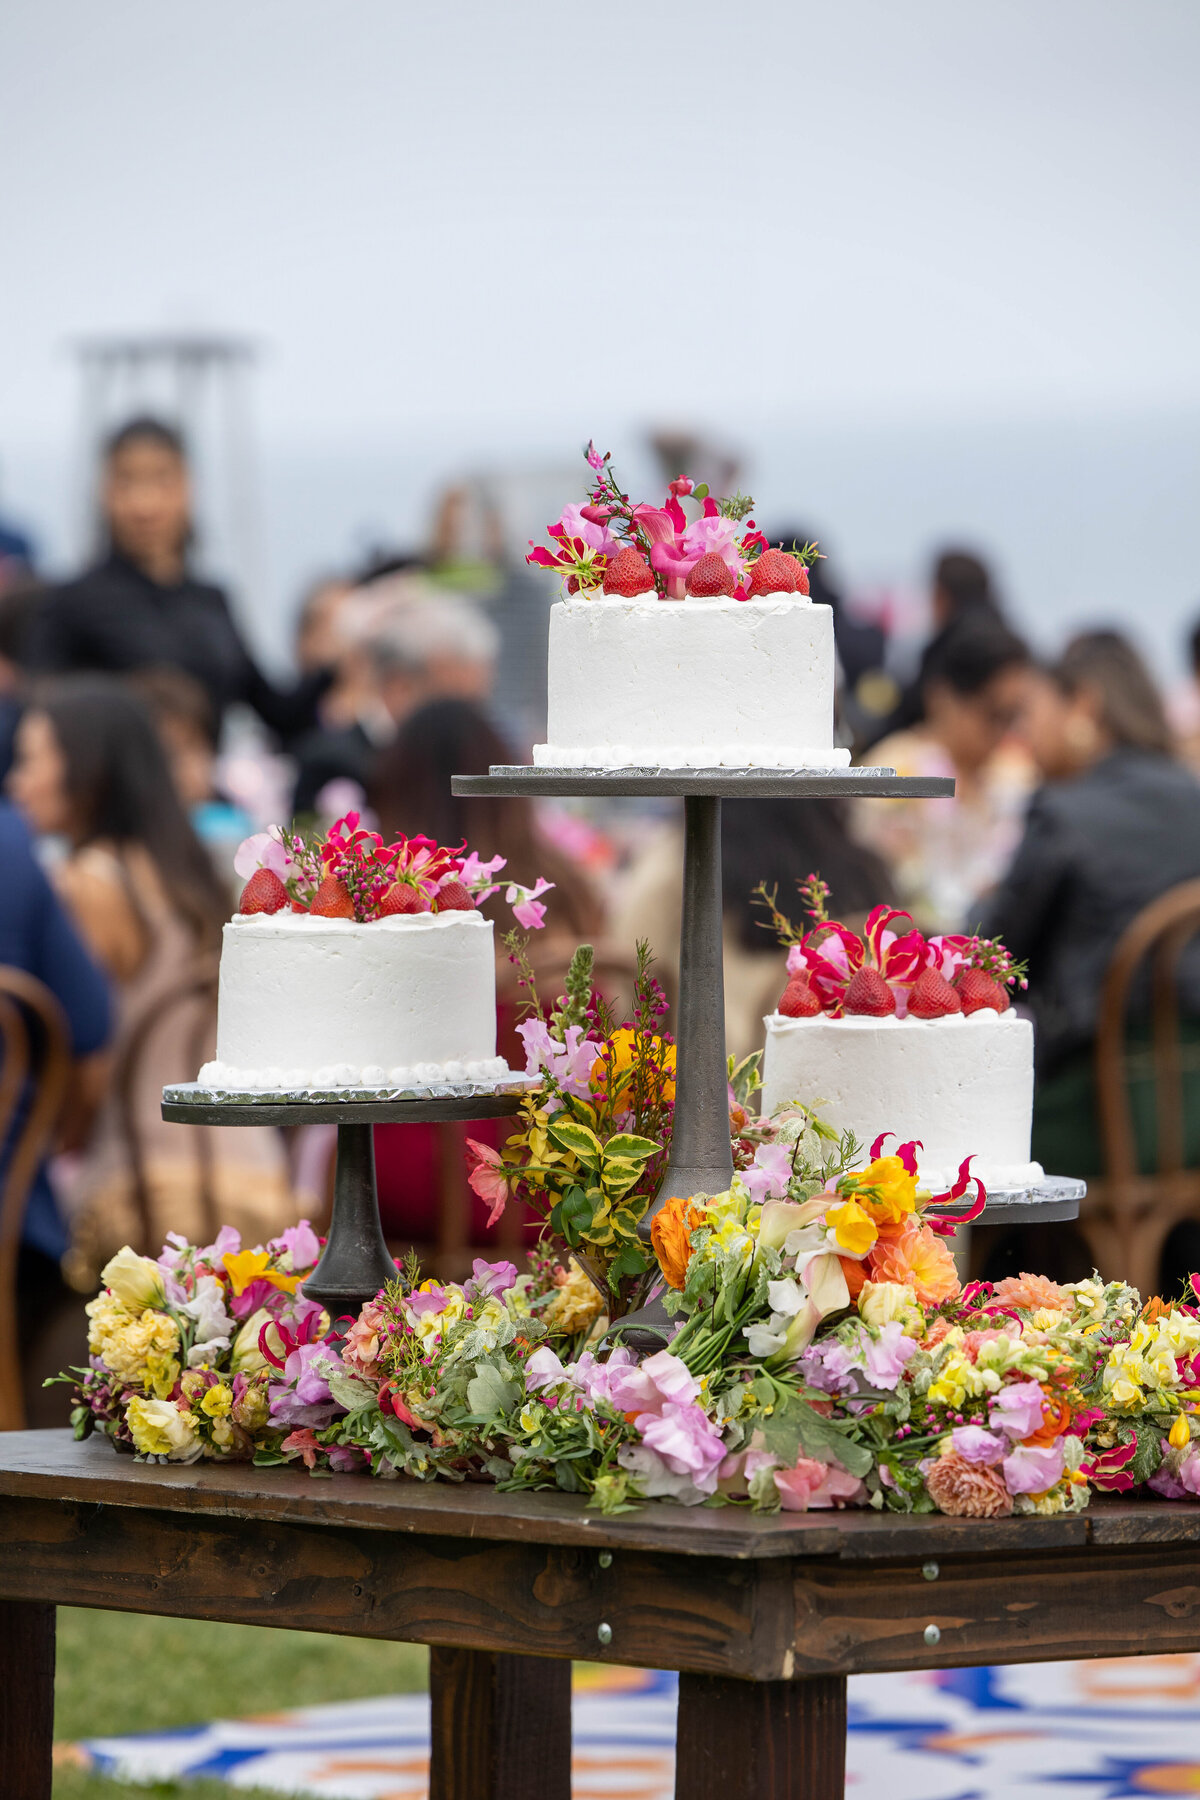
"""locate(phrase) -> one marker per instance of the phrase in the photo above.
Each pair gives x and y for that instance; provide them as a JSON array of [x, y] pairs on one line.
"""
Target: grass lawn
[[120, 1672]]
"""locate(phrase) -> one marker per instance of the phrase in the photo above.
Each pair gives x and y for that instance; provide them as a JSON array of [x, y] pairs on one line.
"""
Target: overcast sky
[[478, 226]]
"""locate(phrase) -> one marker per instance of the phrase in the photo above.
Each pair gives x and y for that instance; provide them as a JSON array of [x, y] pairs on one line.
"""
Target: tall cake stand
[[356, 1262], [701, 1159]]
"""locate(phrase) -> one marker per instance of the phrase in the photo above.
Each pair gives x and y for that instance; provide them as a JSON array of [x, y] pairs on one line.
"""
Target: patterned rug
[[1049, 1731]]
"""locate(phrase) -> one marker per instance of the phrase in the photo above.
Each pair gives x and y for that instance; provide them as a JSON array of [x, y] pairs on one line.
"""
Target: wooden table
[[763, 1617]]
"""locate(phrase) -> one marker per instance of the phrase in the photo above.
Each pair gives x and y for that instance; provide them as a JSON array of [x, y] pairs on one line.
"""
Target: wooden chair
[[35, 1046], [1127, 1216], [451, 1256], [196, 989]]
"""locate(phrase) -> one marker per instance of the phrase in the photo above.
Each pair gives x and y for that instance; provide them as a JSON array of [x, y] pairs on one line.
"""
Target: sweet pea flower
[[816, 1484], [527, 910], [477, 874], [263, 850], [488, 1279], [568, 1060], [578, 522], [1032, 1468], [768, 1176], [647, 1387], [544, 1369], [680, 1455], [303, 1396], [486, 1177], [300, 1242], [884, 1357], [1017, 1409], [975, 1445], [228, 1242]]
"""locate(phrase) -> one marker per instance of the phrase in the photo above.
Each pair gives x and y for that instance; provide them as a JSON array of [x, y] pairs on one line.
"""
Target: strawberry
[[452, 896], [932, 996], [263, 893], [799, 999], [801, 578], [628, 574], [711, 577], [869, 993], [300, 906], [774, 573], [976, 990], [402, 897], [332, 900]]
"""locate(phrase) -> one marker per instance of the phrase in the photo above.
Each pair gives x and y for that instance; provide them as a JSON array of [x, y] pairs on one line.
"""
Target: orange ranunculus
[[1029, 1292], [670, 1233], [916, 1256], [1056, 1416]]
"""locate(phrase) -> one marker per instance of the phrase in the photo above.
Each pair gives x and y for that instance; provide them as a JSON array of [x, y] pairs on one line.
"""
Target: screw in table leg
[[356, 1262]]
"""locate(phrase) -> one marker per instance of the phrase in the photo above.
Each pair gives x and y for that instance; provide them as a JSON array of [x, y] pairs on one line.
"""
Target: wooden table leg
[[761, 1740], [26, 1699], [500, 1726]]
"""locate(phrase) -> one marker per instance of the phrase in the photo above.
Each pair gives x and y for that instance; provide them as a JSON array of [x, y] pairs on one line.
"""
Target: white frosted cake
[[313, 1002], [962, 1084], [694, 683]]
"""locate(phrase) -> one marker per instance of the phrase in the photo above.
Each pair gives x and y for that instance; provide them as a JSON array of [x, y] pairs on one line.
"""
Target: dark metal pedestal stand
[[701, 1159], [356, 1262]]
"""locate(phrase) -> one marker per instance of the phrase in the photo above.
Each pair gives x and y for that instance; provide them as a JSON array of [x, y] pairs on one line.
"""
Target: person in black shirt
[[142, 607]]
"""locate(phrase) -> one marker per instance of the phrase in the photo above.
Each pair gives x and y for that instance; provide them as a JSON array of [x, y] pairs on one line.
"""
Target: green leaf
[[579, 1140], [578, 1209], [489, 1395], [350, 1391], [700, 492], [797, 1426], [625, 1145], [629, 1260]]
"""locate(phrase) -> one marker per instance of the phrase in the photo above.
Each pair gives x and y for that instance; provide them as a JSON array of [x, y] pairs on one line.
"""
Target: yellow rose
[[853, 1227], [160, 1429]]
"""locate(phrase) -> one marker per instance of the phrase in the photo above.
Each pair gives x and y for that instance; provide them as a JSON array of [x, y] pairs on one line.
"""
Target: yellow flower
[[217, 1401], [125, 1344], [160, 1429], [577, 1304], [1180, 1434], [887, 1188], [222, 1432], [853, 1227], [253, 1410], [614, 1068], [135, 1280], [882, 1301], [246, 1266], [162, 1372]]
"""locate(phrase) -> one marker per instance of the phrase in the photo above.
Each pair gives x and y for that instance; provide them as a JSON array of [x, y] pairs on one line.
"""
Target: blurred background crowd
[[161, 696]]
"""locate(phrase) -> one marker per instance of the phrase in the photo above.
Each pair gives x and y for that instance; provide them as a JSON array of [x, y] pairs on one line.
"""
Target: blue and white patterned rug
[[1112, 1730]]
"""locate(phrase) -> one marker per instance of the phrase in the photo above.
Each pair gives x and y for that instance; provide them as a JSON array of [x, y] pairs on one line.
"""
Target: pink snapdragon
[[567, 1060]]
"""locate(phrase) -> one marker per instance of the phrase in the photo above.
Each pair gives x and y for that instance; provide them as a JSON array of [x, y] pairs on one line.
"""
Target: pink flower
[[680, 1454], [682, 484], [569, 1062], [261, 851], [975, 1445], [768, 1176], [486, 1178], [646, 1387], [594, 458], [1108, 1469], [577, 522], [524, 902], [300, 1242], [304, 1444], [1032, 1468], [966, 1490], [1017, 1409], [816, 1484], [363, 1341], [490, 1279]]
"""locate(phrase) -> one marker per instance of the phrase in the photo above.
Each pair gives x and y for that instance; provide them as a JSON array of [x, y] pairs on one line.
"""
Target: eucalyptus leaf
[[490, 1395]]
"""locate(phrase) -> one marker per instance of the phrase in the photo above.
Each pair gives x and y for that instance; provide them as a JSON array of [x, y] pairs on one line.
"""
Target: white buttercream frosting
[[963, 1085], [307, 1002], [650, 683]]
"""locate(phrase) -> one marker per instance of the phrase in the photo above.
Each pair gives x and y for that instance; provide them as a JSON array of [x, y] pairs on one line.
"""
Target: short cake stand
[[701, 1159], [356, 1262]]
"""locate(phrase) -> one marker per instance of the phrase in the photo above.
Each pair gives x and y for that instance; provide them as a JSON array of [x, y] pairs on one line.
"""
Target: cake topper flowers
[[615, 547], [891, 969], [350, 873]]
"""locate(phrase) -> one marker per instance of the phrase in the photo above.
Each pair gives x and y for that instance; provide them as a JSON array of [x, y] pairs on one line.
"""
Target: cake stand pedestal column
[[356, 1261]]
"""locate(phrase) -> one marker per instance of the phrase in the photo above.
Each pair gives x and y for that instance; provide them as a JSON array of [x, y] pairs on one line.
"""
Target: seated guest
[[142, 606], [91, 773], [183, 718], [409, 644], [947, 854], [1115, 824], [37, 937]]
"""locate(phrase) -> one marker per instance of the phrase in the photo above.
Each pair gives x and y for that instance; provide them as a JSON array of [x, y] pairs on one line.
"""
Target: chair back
[[195, 991], [35, 1044], [1158, 935]]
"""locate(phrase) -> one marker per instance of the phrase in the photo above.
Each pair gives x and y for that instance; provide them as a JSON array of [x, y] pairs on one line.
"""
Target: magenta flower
[[594, 458], [579, 521], [676, 547], [569, 1062]]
